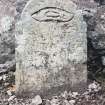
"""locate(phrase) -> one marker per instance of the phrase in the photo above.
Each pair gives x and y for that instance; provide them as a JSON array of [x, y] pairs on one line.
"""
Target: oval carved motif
[[52, 14]]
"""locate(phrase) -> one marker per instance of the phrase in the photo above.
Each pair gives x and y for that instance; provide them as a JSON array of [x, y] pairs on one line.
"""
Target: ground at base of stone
[[94, 95]]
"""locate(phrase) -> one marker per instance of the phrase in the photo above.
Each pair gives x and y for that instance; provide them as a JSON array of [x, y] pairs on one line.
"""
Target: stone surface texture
[[52, 50]]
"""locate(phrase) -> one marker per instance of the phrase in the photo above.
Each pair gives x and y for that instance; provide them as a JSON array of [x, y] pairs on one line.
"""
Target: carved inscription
[[52, 14]]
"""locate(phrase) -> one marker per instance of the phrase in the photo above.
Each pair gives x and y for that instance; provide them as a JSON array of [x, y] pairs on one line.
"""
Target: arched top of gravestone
[[48, 10]]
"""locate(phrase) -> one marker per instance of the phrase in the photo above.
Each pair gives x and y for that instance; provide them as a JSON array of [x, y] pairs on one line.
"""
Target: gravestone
[[52, 51]]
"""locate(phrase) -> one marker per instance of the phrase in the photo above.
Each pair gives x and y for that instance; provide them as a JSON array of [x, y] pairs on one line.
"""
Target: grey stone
[[52, 52], [37, 100], [9, 93]]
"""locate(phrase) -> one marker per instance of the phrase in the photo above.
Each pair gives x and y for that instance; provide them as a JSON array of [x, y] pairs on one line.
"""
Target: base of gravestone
[[56, 91], [78, 83]]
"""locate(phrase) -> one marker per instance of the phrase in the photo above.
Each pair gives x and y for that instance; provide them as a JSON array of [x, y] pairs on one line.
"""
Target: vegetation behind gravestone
[[96, 45]]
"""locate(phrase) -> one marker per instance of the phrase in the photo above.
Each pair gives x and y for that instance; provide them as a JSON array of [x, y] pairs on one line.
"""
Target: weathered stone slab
[[52, 51]]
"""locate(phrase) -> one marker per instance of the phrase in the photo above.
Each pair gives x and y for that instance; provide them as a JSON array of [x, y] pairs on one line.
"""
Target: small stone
[[1, 78], [72, 102], [87, 97], [66, 102], [103, 16], [65, 94], [70, 93], [9, 93], [6, 84], [37, 100], [55, 101], [74, 94], [47, 102], [11, 98], [94, 87], [4, 77], [86, 93]]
